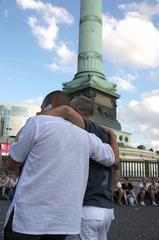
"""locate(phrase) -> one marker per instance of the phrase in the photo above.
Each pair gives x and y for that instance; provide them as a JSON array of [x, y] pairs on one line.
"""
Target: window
[[121, 138], [126, 139]]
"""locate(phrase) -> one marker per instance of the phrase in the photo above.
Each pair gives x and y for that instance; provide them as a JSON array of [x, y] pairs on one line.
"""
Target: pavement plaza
[[131, 223]]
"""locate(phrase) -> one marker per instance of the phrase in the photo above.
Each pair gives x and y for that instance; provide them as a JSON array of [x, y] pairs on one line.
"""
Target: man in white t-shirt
[[53, 149]]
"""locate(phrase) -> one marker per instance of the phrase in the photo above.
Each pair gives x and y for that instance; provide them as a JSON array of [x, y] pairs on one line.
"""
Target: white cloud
[[54, 67], [143, 115], [155, 143], [66, 55], [44, 23], [131, 41], [47, 10], [124, 83], [143, 8], [46, 35], [154, 75], [66, 61], [30, 4], [33, 101]]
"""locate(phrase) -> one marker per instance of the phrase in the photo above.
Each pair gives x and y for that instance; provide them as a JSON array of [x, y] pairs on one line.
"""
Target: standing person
[[53, 149], [54, 99], [98, 200]]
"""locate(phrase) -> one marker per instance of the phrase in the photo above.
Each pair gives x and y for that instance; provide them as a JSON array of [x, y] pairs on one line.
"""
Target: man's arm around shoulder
[[101, 152], [68, 113], [114, 145]]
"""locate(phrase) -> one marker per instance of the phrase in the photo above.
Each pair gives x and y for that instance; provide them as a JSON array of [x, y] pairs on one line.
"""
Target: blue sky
[[39, 42]]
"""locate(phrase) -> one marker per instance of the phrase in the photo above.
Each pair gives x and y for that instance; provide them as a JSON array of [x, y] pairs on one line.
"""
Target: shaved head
[[56, 98]]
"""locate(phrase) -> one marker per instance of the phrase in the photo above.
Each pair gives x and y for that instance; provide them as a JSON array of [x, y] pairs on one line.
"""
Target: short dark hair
[[6, 172], [84, 104], [59, 98]]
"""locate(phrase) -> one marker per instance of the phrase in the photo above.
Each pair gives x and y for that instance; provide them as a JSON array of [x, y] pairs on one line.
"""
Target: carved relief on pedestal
[[103, 100]]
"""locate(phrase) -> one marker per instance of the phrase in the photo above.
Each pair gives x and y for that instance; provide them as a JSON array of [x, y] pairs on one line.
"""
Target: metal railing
[[139, 169]]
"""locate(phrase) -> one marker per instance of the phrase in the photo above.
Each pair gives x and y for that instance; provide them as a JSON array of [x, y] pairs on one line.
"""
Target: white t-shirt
[[5, 182], [49, 194], [13, 183], [144, 187], [118, 186]]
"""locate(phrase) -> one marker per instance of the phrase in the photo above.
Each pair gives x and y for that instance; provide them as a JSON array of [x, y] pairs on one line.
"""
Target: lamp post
[[7, 149]]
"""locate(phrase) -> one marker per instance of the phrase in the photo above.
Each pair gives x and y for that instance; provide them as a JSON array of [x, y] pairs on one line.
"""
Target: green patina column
[[90, 37], [90, 79], [90, 53]]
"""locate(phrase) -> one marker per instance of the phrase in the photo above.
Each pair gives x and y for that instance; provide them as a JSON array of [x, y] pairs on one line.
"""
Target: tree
[[141, 147], [151, 150]]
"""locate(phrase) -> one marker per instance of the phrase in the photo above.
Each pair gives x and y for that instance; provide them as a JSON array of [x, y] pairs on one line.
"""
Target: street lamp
[[7, 149]]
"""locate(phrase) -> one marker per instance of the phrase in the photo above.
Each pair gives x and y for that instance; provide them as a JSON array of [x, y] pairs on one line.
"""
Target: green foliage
[[141, 147], [151, 150]]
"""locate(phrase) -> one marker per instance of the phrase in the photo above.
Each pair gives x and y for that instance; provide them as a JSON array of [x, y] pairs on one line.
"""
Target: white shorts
[[93, 229]]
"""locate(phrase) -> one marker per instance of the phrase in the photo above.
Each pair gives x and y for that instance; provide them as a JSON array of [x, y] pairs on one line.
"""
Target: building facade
[[12, 119]]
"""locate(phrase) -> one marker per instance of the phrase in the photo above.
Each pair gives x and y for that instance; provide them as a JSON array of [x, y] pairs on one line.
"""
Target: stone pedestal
[[90, 79]]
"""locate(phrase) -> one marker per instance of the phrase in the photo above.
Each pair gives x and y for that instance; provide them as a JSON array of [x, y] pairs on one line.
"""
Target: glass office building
[[13, 117]]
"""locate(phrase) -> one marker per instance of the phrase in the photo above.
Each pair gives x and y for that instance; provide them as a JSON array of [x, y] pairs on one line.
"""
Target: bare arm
[[67, 113], [117, 177], [5, 182], [2, 184], [20, 149], [114, 145]]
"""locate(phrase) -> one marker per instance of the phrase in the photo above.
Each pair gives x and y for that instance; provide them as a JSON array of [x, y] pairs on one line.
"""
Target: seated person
[[128, 192], [157, 194], [154, 187], [118, 193], [12, 187], [146, 191], [4, 185]]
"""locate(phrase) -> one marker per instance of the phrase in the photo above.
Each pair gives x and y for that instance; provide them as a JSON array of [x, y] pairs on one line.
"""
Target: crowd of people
[[68, 170], [147, 192]]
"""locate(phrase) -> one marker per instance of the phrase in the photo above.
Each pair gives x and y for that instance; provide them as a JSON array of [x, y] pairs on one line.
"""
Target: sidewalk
[[131, 223]]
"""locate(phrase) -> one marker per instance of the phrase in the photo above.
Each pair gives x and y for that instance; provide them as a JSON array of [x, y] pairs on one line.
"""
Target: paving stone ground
[[135, 223], [3, 208], [131, 223]]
